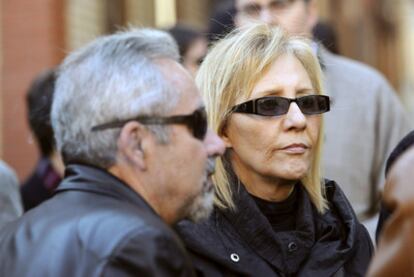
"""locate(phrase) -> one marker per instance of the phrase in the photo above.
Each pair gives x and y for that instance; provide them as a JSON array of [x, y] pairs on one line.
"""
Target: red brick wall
[[32, 40]]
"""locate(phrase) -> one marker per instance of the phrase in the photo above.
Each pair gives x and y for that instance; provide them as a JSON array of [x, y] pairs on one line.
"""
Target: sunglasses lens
[[271, 106], [199, 124], [276, 105], [313, 104]]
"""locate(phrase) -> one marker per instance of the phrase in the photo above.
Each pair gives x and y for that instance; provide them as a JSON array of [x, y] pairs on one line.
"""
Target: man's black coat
[[95, 225]]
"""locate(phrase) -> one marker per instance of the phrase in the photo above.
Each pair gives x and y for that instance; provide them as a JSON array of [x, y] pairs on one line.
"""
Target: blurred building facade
[[36, 35]]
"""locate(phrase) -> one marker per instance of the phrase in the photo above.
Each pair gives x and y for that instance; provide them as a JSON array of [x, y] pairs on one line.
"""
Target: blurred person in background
[[275, 215], [48, 172], [221, 21], [395, 252], [401, 148], [367, 120], [10, 201], [132, 131], [192, 45], [325, 34]]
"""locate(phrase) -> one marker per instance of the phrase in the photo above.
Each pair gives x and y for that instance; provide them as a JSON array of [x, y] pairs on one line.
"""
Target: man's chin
[[201, 207]]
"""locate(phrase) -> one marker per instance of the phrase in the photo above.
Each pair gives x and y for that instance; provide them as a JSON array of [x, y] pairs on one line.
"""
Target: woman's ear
[[131, 143], [223, 134]]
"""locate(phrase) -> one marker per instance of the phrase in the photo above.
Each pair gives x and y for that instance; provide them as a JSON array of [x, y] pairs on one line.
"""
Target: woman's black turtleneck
[[281, 215]]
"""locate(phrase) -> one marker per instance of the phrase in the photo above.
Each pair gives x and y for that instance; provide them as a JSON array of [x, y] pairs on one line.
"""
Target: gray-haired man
[[131, 128]]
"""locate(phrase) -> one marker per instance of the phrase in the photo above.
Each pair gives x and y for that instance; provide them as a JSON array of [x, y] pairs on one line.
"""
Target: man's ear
[[132, 144]]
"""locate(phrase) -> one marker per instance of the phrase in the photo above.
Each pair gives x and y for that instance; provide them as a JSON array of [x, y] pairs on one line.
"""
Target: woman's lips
[[295, 148]]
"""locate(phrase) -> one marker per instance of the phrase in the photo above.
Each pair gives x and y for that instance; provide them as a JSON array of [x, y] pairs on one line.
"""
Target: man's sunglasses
[[196, 122], [275, 105]]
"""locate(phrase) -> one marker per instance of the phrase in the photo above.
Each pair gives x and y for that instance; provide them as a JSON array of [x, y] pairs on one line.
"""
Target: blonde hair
[[229, 73]]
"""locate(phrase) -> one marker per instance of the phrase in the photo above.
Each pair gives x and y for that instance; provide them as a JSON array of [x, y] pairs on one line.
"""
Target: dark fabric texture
[[244, 243], [94, 225], [281, 215]]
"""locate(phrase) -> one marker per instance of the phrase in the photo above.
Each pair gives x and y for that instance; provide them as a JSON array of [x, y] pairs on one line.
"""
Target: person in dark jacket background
[[274, 214], [132, 130], [48, 171], [192, 45]]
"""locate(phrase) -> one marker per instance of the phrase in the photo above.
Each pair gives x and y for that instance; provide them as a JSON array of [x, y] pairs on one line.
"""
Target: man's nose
[[215, 145]]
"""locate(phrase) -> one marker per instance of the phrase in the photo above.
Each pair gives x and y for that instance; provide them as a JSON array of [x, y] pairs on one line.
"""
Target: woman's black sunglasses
[[275, 105], [196, 122]]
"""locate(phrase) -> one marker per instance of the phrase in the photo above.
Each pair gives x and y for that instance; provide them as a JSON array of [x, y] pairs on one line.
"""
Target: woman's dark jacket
[[242, 242], [95, 225]]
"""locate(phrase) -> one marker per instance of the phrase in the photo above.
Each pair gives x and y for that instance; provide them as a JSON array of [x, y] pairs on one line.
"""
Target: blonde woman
[[274, 213]]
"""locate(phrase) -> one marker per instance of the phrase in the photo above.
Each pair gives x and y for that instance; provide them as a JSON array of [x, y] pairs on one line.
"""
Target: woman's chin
[[295, 174]]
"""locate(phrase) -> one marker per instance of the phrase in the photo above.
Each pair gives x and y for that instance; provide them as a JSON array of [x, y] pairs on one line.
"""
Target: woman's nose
[[294, 117]]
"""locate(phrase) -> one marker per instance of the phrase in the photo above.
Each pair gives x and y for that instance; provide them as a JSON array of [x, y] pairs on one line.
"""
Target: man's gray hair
[[113, 78]]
